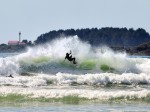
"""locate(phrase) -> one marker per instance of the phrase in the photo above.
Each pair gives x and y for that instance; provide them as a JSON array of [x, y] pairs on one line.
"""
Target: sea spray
[[8, 66], [83, 52], [49, 58]]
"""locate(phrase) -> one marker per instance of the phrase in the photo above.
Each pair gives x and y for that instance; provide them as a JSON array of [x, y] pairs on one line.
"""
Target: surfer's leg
[[70, 58], [74, 60]]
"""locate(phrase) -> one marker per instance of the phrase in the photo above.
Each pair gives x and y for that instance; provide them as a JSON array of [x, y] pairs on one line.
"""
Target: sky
[[35, 17]]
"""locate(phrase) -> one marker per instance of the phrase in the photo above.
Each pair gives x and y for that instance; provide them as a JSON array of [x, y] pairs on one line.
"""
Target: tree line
[[114, 37]]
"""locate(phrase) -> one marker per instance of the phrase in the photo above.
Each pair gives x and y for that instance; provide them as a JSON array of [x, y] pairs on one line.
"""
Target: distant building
[[15, 42], [22, 43]]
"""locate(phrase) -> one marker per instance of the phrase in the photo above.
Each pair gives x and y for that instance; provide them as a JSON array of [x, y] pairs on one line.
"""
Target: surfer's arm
[[70, 52]]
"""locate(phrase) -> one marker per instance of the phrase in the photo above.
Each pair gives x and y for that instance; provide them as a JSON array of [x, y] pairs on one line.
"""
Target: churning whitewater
[[100, 73]]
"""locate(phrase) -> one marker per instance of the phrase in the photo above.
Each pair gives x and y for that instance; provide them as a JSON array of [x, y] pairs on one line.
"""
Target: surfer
[[10, 76], [69, 57]]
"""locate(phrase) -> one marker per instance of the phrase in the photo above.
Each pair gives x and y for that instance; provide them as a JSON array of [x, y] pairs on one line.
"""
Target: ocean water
[[102, 80]]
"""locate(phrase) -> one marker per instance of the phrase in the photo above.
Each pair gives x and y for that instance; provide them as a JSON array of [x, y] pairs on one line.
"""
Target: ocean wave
[[100, 95], [99, 79], [49, 58]]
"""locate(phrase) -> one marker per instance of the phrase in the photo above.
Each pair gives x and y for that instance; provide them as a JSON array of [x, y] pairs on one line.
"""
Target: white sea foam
[[8, 66], [82, 79], [81, 93]]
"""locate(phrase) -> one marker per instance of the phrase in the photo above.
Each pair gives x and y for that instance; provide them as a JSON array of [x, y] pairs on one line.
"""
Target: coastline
[[135, 51], [12, 48]]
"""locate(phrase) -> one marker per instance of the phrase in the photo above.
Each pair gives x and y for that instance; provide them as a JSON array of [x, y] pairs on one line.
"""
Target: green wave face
[[88, 64], [67, 64], [41, 59], [45, 63], [106, 68], [15, 98], [85, 65], [34, 60]]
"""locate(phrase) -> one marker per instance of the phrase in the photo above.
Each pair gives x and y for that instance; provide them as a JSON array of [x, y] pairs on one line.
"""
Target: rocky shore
[[12, 48], [141, 50]]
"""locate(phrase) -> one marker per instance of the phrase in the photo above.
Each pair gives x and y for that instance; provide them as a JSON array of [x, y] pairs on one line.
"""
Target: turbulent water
[[100, 73]]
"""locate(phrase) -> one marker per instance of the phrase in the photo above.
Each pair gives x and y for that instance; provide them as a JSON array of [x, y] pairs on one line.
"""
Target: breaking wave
[[43, 71], [49, 58]]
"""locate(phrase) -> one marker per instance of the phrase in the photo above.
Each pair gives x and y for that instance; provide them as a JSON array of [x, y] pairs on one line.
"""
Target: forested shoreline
[[133, 41], [112, 37]]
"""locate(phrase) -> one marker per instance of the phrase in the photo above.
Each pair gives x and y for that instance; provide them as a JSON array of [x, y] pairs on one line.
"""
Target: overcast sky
[[35, 17]]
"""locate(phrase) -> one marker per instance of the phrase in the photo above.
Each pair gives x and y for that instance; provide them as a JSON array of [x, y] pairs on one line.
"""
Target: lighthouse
[[19, 37], [16, 42]]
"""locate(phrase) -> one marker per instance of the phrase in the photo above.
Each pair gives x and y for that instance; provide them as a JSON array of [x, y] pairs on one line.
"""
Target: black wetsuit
[[70, 58]]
